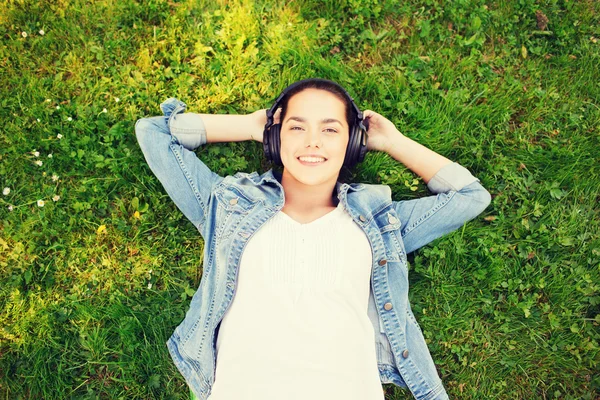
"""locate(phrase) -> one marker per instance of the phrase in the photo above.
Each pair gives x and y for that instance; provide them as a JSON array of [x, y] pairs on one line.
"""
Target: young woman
[[304, 293]]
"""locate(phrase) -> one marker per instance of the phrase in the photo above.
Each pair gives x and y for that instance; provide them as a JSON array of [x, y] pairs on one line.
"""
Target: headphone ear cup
[[267, 144], [350, 159], [356, 151], [275, 144], [363, 148]]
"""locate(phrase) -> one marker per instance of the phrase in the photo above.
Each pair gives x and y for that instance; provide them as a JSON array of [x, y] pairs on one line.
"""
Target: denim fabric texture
[[228, 210]]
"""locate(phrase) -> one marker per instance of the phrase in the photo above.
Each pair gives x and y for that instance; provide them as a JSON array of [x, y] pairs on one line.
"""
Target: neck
[[308, 198]]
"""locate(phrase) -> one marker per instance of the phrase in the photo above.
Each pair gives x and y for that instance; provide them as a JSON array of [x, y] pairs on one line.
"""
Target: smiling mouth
[[311, 160]]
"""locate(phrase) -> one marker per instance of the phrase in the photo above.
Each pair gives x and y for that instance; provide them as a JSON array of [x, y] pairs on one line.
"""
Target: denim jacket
[[228, 210]]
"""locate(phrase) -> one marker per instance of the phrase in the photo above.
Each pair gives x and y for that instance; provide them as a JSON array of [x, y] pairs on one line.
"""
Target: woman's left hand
[[381, 131]]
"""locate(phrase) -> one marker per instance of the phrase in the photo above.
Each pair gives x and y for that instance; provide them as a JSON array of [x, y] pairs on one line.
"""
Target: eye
[[331, 130], [295, 128]]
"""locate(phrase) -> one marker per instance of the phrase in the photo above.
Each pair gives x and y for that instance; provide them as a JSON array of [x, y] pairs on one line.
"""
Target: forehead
[[316, 101]]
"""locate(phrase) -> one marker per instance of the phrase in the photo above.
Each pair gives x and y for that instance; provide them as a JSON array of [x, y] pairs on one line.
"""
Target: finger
[[276, 116]]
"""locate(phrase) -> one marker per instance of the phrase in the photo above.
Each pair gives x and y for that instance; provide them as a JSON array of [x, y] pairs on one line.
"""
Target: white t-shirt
[[298, 328]]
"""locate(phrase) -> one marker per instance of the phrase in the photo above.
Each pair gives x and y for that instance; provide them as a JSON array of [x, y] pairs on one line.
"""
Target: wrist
[[394, 141], [256, 124]]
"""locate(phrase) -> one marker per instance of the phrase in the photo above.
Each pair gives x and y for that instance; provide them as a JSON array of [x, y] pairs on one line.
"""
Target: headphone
[[357, 145]]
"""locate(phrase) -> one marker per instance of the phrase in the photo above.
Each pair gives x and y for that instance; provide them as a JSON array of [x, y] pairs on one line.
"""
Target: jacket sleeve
[[459, 198], [167, 143]]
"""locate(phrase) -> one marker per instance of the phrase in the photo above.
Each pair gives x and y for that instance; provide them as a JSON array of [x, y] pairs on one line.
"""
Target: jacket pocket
[[233, 205], [233, 200], [389, 227]]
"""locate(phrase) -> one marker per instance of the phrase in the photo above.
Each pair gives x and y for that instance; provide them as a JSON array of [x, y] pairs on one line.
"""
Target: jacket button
[[382, 262], [233, 202], [392, 219], [405, 354], [362, 218], [387, 306]]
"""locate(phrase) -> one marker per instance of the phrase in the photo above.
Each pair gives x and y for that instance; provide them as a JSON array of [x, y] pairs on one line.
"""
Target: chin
[[312, 181], [311, 178], [311, 175]]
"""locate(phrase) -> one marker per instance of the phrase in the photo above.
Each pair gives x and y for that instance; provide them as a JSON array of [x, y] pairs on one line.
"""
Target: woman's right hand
[[260, 120]]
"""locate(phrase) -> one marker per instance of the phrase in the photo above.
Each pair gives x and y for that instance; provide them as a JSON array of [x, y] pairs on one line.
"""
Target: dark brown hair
[[321, 84]]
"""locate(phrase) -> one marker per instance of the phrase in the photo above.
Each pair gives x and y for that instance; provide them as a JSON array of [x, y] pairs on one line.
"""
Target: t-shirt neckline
[[318, 220]]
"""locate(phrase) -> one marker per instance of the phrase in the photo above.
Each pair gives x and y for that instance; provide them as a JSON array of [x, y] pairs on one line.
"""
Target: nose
[[313, 138]]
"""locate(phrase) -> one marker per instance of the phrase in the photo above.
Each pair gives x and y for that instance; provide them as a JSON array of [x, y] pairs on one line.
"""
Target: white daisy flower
[[54, 177], [41, 32], [117, 99], [104, 110], [39, 163], [50, 155], [24, 34], [10, 208], [69, 119], [56, 198], [59, 136], [35, 153], [48, 100], [40, 203], [150, 286], [58, 107], [6, 191], [38, 120]]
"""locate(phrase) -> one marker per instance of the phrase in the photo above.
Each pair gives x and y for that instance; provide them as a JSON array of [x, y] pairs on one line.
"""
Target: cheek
[[288, 149], [342, 145], [287, 144]]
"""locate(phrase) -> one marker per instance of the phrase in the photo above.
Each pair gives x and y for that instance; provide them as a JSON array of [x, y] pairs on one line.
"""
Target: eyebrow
[[323, 121]]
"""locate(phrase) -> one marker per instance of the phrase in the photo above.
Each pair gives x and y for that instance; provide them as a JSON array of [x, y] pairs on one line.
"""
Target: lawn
[[98, 266]]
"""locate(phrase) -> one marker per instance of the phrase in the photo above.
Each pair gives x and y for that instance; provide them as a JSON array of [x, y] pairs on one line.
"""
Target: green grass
[[92, 285]]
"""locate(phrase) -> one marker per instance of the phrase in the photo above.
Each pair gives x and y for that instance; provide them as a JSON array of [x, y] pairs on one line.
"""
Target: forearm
[[193, 130], [418, 158], [230, 128]]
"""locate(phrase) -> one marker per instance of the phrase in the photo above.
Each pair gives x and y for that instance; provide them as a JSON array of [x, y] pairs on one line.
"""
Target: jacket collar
[[357, 204], [274, 177]]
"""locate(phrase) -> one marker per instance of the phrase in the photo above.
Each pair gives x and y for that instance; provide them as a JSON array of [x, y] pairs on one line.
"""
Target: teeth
[[311, 159]]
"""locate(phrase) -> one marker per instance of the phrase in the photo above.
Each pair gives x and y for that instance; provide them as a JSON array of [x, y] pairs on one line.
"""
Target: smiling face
[[314, 124]]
